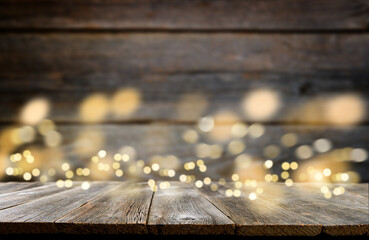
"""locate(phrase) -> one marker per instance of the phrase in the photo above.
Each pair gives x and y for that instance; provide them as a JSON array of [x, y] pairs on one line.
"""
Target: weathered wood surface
[[130, 207], [344, 215], [39, 216], [180, 209], [122, 210], [16, 186], [164, 67], [260, 217], [186, 15]]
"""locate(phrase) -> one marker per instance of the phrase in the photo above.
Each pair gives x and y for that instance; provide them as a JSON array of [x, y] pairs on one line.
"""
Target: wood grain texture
[[260, 217], [10, 199], [16, 186], [188, 15], [183, 210], [164, 67], [343, 218], [39, 216], [123, 210], [131, 207]]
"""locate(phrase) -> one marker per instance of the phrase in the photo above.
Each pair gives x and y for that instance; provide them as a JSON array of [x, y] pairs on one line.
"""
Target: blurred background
[[198, 91]]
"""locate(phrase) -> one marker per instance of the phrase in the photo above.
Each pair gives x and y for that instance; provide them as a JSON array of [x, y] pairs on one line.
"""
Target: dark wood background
[[66, 50]]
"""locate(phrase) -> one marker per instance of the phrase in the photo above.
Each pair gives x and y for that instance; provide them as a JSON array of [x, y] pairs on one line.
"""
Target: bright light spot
[[345, 109], [199, 184], [36, 172], [94, 108], [359, 155], [252, 196], [229, 193], [85, 185], [268, 164], [34, 111], [60, 183], [289, 140], [155, 167], [43, 178], [256, 130], [289, 182], [345, 177], [182, 178], [338, 190], [294, 165], [259, 190], [101, 153], [206, 124], [327, 195], [235, 177], [27, 176], [119, 172], [171, 173], [237, 193], [285, 175], [285, 166], [65, 166], [68, 183], [261, 104], [146, 170], [203, 168], [327, 172], [125, 101], [9, 171], [304, 152], [322, 145]]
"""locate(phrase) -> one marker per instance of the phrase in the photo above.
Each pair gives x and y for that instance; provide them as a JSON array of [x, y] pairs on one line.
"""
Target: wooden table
[[132, 208]]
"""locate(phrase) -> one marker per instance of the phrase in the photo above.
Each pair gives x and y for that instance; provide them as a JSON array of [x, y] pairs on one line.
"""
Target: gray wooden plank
[[232, 64], [358, 189], [260, 217], [181, 209], [39, 216], [337, 219], [11, 199], [17, 186], [123, 210], [187, 15]]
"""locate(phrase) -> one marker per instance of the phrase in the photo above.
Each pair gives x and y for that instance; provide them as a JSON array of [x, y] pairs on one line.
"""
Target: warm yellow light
[[126, 101], [268, 163], [322, 145], [34, 111], [289, 140], [261, 104], [94, 108], [304, 152], [190, 136]]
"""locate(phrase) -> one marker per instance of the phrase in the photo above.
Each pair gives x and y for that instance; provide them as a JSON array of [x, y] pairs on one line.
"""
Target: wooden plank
[[221, 67], [337, 219], [39, 216], [123, 210], [181, 209], [351, 197], [359, 189], [11, 199], [187, 15], [17, 186], [260, 217]]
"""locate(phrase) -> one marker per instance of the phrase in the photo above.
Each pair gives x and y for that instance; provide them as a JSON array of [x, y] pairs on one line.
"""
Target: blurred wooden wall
[[303, 49]]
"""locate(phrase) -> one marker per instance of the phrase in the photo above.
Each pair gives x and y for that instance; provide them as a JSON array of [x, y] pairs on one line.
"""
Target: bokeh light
[[261, 104], [34, 111]]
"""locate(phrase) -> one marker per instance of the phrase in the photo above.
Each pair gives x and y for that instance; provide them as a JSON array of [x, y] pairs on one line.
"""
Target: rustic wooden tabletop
[[181, 208]]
